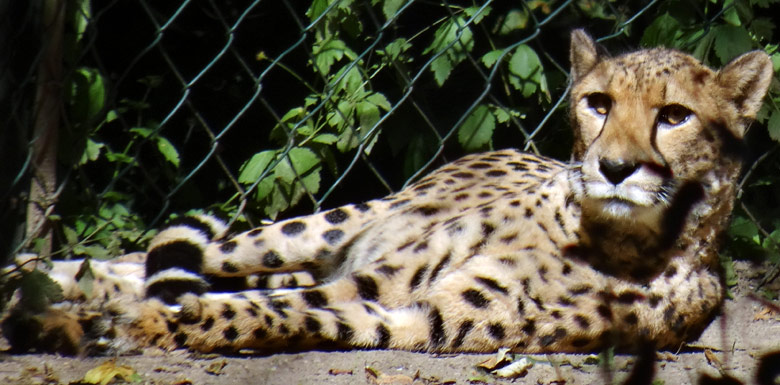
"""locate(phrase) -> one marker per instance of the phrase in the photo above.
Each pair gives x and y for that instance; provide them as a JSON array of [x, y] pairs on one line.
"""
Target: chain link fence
[[131, 111]]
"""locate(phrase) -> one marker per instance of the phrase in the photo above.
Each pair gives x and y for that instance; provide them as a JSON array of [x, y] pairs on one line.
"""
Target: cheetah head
[[652, 124]]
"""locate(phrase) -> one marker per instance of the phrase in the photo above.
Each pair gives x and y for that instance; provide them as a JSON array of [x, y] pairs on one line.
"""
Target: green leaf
[[91, 152], [445, 35], [325, 139], [730, 15], [299, 159], [368, 115], [390, 7], [491, 57], [85, 278], [525, 69], [142, 131], [664, 30], [168, 151], [477, 129], [328, 52], [515, 19], [316, 9], [474, 12], [39, 290], [763, 28], [731, 41], [251, 170], [774, 126], [395, 49], [379, 100], [88, 94]]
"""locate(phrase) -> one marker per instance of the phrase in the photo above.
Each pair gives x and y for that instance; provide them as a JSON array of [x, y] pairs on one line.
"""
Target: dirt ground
[[731, 344]]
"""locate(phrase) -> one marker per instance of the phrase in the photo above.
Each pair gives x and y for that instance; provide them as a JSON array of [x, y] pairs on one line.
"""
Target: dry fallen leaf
[[107, 371], [712, 359], [215, 368], [499, 360], [764, 314], [337, 372], [375, 377], [516, 369]]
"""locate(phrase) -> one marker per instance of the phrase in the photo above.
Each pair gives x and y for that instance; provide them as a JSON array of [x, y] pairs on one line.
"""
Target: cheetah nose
[[616, 171]]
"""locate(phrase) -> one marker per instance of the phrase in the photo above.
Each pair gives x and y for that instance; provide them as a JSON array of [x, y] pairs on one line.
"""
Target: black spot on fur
[[278, 307], [438, 336], [382, 336], [399, 203], [362, 207], [229, 267], [192, 222], [463, 330], [424, 186], [492, 285], [487, 229], [332, 236], [252, 312], [582, 321], [552, 338], [463, 175], [421, 247], [272, 260], [654, 300], [427, 211], [628, 297], [495, 173], [344, 332], [172, 326], [520, 306], [180, 339], [580, 342], [556, 314], [260, 333], [669, 312], [565, 301], [312, 324], [228, 247], [293, 228], [366, 287], [580, 289], [207, 324], [529, 328], [283, 329], [439, 266], [180, 254], [255, 232], [631, 318], [496, 330], [227, 312], [475, 298], [314, 298], [388, 270], [230, 333], [604, 311], [336, 216], [480, 166], [170, 289], [417, 277], [670, 271]]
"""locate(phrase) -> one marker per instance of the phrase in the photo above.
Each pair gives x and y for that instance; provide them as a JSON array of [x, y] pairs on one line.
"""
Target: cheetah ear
[[584, 54], [745, 81]]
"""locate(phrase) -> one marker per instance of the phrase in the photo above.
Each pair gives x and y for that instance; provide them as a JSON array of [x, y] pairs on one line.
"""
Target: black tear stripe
[[438, 335], [366, 287]]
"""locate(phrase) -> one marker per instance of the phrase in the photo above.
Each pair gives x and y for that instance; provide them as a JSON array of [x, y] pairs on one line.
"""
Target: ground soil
[[732, 344]]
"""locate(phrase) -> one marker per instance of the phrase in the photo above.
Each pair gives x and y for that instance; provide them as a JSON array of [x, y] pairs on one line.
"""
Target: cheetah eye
[[674, 115], [599, 103]]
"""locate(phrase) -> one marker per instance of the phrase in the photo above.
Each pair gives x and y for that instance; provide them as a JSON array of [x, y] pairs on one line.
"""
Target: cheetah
[[498, 249]]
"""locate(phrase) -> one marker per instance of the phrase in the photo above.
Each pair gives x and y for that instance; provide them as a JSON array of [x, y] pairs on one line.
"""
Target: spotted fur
[[500, 249]]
